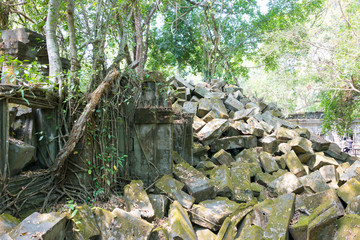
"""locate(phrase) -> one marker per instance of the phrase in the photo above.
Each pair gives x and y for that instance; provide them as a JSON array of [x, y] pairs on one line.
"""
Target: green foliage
[[23, 72], [339, 109], [107, 163], [215, 37]]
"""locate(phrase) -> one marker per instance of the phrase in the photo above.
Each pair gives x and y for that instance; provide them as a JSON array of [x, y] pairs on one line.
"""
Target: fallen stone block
[[320, 160], [248, 155], [348, 227], [160, 204], [258, 191], [199, 149], [46, 226], [227, 231], [342, 168], [280, 216], [212, 130], [198, 123], [210, 116], [319, 224], [20, 155], [228, 143], [284, 148], [212, 213], [84, 224], [280, 160], [217, 95], [306, 157], [287, 183], [137, 200], [205, 234], [221, 179], [254, 168], [349, 190], [180, 225], [197, 185], [205, 165], [285, 134], [172, 188], [223, 157], [328, 172], [251, 232], [350, 172], [242, 212], [182, 82], [159, 233], [219, 108], [301, 145], [315, 182], [240, 178], [334, 151], [233, 104], [7, 223], [354, 206], [303, 132], [268, 163], [243, 114], [120, 224], [190, 107], [294, 164], [204, 107], [319, 144], [264, 179], [250, 141], [307, 203], [269, 144], [177, 106], [200, 91]]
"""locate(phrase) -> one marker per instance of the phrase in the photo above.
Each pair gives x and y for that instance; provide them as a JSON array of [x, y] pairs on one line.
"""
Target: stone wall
[[314, 126]]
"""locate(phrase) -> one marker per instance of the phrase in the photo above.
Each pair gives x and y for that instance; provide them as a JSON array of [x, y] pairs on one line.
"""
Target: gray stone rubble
[[253, 176]]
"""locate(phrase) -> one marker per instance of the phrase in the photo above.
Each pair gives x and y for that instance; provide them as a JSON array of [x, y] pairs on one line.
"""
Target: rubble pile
[[253, 176]]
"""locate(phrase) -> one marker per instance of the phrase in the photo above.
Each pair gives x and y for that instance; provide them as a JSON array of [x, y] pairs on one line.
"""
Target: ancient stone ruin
[[214, 164]]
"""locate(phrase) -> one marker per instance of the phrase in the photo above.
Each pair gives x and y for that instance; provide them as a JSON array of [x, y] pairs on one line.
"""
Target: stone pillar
[[46, 124], [4, 139], [183, 137], [153, 133]]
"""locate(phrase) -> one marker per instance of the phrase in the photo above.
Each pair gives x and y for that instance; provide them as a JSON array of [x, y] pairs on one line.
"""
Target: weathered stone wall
[[314, 126]]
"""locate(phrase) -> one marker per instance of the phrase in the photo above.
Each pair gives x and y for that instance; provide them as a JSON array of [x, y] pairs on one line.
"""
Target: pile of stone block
[[253, 176]]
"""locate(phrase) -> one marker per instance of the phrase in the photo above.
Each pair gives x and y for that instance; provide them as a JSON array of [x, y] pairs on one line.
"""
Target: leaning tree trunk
[[55, 68], [4, 16], [80, 125], [75, 66]]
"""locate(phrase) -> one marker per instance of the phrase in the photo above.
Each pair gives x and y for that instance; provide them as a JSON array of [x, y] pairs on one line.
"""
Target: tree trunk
[[80, 125], [139, 54], [75, 65], [55, 68], [4, 16]]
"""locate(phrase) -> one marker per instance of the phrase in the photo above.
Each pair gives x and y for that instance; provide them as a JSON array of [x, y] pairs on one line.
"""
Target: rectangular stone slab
[[198, 186]]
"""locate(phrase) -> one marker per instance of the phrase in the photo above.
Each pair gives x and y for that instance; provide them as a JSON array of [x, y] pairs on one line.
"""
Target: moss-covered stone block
[[84, 224], [349, 190], [212, 213], [221, 179], [196, 183], [240, 178], [227, 231], [172, 188], [348, 227], [137, 200], [7, 223], [180, 225], [279, 219], [120, 224]]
